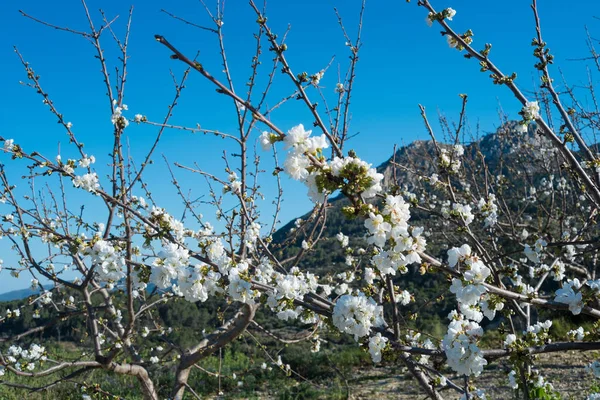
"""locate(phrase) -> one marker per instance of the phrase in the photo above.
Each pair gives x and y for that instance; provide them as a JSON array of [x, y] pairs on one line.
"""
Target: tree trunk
[[228, 332]]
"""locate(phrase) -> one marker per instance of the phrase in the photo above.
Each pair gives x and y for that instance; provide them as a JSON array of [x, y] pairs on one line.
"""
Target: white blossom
[[460, 346], [87, 161], [343, 239], [512, 381], [570, 295], [531, 110], [9, 145], [356, 315], [88, 182], [266, 141], [376, 345]]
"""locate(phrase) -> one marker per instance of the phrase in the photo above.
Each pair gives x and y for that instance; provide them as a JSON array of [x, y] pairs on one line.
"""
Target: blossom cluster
[[169, 264], [463, 212], [301, 145], [87, 182], [117, 118], [398, 245], [305, 162], [475, 272], [464, 331], [489, 210], [460, 346], [25, 359], [107, 260], [356, 315], [535, 335], [288, 287], [530, 111], [536, 253], [574, 294], [377, 344], [450, 160]]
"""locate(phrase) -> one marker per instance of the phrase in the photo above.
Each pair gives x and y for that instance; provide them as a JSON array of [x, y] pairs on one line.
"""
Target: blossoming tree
[[501, 263]]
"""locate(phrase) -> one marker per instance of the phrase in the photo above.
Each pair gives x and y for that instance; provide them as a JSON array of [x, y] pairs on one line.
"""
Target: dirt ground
[[565, 371]]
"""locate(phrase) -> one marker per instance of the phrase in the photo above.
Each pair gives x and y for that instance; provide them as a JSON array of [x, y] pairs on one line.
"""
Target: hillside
[[17, 294]]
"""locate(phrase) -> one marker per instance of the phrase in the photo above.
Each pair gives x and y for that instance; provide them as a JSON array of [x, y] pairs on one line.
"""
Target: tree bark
[[216, 340], [141, 374]]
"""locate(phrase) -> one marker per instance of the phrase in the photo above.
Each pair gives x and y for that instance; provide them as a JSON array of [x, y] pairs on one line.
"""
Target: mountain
[[506, 156], [411, 164], [18, 294]]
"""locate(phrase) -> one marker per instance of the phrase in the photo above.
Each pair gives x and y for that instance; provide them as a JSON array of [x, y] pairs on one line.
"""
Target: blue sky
[[403, 63]]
